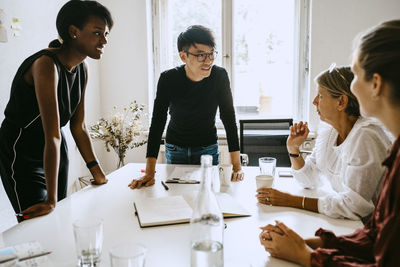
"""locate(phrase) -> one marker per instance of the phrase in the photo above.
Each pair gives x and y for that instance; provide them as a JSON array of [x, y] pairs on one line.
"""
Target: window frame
[[301, 64]]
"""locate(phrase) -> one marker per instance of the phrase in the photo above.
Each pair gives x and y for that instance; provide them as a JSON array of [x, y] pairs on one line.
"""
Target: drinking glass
[[128, 255], [88, 233], [267, 166]]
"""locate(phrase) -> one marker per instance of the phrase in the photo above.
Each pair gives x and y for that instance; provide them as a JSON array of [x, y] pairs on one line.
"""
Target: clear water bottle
[[207, 224]]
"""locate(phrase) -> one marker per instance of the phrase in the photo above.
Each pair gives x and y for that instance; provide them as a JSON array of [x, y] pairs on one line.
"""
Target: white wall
[[38, 29], [334, 27], [124, 68]]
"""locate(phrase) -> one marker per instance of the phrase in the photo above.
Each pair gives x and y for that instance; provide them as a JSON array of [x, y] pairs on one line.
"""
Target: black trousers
[[21, 165]]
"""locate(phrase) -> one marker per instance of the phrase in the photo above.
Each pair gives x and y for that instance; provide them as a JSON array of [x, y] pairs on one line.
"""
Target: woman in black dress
[[48, 92]]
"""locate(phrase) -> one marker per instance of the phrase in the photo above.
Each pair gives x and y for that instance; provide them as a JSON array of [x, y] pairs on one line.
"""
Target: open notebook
[[178, 209]]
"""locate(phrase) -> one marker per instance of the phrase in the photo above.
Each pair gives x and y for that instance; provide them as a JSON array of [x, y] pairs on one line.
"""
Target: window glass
[[263, 56], [264, 49], [183, 13]]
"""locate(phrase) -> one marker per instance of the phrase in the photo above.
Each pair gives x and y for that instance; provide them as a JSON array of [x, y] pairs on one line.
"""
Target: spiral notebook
[[178, 209]]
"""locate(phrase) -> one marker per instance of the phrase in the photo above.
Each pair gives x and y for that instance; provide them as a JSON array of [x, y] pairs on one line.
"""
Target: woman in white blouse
[[349, 151]]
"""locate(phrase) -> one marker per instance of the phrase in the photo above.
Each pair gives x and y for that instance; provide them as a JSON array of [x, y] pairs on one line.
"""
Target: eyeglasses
[[333, 68], [203, 56]]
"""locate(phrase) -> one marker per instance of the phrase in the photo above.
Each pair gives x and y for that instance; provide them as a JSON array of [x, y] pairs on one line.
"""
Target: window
[[263, 45]]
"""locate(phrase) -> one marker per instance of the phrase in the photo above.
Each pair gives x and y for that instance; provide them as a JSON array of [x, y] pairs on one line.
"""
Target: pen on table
[[35, 256], [165, 186], [178, 181]]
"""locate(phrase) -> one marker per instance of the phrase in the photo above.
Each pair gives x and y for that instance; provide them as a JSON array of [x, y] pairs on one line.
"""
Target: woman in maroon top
[[376, 84]]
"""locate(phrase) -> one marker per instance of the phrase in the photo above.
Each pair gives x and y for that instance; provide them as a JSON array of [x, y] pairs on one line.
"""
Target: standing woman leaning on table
[[349, 151], [47, 92], [376, 84]]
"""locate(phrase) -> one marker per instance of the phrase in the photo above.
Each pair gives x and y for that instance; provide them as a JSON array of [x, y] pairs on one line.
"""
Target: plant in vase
[[122, 131]]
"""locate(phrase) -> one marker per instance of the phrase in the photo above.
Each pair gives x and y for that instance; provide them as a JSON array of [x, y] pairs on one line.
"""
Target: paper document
[[186, 173], [178, 209], [162, 211], [28, 254]]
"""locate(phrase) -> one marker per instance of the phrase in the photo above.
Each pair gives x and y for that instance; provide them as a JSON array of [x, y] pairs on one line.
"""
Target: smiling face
[[91, 39], [195, 70], [326, 105]]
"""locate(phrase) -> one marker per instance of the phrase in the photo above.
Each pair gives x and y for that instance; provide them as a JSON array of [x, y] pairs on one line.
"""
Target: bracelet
[[302, 202], [294, 155], [91, 164]]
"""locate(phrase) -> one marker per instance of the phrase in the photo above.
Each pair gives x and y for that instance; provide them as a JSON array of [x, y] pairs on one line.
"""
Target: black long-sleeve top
[[192, 107]]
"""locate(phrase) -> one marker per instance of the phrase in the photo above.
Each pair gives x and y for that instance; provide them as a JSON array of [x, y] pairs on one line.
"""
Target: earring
[[74, 36]]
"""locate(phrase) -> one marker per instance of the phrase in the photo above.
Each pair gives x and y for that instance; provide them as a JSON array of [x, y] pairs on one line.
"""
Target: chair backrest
[[262, 138]]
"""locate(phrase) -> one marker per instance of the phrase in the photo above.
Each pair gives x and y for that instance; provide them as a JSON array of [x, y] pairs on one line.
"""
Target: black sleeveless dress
[[22, 138]]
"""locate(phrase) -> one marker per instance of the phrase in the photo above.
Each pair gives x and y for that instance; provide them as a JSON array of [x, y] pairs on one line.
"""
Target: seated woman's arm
[[309, 174], [306, 174]]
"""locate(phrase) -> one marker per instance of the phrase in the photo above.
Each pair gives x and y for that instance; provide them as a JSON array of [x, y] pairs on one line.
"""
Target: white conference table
[[168, 245]]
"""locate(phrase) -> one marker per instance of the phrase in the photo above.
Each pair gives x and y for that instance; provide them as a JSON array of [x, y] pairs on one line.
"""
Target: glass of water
[[88, 233], [207, 253], [128, 255], [267, 166]]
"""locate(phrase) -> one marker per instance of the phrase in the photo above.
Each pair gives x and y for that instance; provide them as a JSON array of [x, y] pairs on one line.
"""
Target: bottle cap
[[206, 160]]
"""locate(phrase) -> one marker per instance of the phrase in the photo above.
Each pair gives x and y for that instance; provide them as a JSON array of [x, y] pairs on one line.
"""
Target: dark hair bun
[[55, 43]]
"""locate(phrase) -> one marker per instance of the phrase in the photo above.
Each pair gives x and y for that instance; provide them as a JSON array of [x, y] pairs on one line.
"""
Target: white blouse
[[354, 168]]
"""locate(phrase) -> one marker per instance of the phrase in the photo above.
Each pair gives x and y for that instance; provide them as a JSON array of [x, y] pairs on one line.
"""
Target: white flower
[[123, 130]]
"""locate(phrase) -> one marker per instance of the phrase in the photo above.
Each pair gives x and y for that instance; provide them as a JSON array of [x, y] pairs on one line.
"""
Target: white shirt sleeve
[[362, 172], [310, 175]]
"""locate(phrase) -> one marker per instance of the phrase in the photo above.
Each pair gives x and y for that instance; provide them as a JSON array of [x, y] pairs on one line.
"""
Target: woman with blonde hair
[[348, 153], [376, 84]]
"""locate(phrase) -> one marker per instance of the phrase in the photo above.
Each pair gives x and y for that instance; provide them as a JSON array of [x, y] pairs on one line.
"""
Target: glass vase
[[121, 160]]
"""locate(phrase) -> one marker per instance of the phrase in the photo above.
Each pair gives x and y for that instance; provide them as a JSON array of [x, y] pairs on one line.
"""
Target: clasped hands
[[282, 242]]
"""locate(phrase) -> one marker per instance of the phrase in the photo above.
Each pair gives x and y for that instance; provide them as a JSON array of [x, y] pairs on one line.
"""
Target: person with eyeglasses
[[348, 153], [376, 84], [192, 93]]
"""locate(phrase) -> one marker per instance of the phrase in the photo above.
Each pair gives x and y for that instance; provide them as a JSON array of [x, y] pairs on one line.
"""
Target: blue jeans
[[190, 155]]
